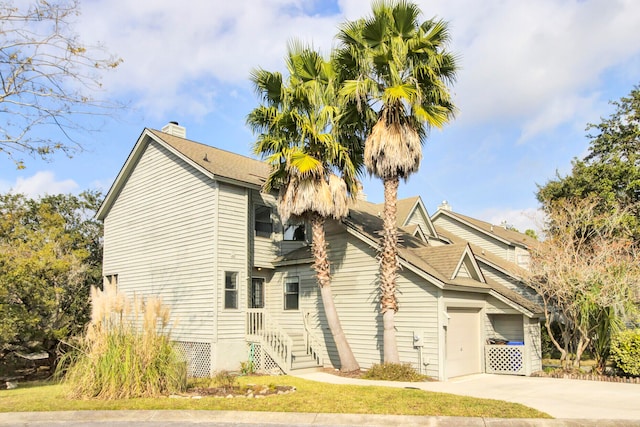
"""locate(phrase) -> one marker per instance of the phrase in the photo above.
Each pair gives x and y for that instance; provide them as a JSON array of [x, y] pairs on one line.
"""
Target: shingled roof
[[486, 256], [216, 163], [437, 261], [221, 163], [498, 231], [445, 258]]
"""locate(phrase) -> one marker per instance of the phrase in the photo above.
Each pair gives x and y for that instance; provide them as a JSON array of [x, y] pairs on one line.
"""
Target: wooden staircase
[[302, 360], [291, 351]]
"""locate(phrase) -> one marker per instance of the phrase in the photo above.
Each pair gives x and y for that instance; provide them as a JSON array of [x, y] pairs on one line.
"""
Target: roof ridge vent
[[173, 128]]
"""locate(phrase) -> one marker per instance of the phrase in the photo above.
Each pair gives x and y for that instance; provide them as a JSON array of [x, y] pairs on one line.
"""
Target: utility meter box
[[418, 338]]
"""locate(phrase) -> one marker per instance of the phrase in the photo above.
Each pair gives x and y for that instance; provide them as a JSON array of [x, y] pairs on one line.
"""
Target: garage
[[463, 342]]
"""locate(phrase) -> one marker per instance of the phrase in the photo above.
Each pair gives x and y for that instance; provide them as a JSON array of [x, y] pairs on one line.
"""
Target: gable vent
[[173, 128]]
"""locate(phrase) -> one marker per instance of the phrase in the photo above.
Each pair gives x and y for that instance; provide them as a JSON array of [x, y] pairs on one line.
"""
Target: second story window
[[295, 231], [263, 224]]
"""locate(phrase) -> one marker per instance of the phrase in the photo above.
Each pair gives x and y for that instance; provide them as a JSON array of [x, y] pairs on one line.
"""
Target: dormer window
[[263, 224]]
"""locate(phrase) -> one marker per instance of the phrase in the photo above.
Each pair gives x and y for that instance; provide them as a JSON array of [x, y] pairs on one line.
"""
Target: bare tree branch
[[48, 78], [585, 271]]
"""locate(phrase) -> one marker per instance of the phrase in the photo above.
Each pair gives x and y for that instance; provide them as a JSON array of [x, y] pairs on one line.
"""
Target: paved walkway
[[560, 398]]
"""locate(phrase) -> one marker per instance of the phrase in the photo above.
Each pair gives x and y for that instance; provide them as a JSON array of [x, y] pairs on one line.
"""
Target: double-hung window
[[262, 221], [291, 293], [230, 289]]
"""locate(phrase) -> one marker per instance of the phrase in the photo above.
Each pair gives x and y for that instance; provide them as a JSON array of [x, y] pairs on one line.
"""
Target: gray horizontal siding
[[159, 238], [232, 244], [509, 282], [475, 237], [265, 249], [355, 291]]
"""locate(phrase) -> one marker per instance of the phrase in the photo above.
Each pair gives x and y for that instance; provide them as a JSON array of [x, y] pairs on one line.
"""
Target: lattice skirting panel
[[505, 359], [197, 356], [262, 362]]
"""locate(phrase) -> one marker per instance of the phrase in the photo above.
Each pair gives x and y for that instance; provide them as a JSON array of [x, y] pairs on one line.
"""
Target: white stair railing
[[278, 344], [312, 344]]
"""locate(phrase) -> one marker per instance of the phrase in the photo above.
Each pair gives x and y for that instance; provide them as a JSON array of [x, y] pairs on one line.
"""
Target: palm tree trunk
[[389, 269], [348, 361]]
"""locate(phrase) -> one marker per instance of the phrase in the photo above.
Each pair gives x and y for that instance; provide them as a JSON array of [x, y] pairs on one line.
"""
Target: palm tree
[[399, 67], [296, 124]]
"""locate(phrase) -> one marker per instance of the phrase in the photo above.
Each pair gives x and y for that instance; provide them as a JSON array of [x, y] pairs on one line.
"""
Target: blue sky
[[533, 74]]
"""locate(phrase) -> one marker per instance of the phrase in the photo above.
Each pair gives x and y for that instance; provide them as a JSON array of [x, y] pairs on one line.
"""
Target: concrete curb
[[168, 417]]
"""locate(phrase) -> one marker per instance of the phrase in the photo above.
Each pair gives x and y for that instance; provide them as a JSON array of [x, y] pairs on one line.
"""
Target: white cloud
[[40, 184], [520, 60], [166, 48], [521, 219]]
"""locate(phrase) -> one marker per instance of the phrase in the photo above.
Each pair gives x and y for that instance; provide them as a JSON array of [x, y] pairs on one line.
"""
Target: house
[[498, 240], [187, 222]]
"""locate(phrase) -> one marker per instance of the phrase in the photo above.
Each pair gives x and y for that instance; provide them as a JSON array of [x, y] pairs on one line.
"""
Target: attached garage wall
[[463, 341]]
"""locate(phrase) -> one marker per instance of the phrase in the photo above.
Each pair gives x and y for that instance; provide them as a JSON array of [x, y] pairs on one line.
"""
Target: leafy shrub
[[126, 351], [225, 379], [394, 372], [625, 351]]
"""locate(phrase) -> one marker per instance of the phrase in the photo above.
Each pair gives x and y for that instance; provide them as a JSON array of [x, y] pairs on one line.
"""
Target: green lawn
[[310, 396]]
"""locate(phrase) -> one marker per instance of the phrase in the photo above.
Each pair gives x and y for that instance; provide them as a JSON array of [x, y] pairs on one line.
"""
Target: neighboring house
[[188, 222], [498, 240]]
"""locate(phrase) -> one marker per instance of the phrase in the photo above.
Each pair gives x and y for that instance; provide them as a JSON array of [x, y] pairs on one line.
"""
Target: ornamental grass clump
[[126, 351]]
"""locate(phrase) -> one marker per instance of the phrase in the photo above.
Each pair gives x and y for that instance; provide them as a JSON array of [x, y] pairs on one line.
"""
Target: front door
[[256, 293], [255, 305]]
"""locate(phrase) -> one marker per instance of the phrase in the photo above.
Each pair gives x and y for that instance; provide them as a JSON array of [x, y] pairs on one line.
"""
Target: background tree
[[48, 78], [399, 67], [587, 273], [50, 255], [611, 168], [315, 173]]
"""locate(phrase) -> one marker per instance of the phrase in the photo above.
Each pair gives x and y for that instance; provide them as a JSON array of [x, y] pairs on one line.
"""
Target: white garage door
[[463, 342]]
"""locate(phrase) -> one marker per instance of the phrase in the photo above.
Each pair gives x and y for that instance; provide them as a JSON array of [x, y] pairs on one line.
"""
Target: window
[[263, 224], [230, 289], [111, 279], [524, 260], [295, 231], [256, 293], [291, 293]]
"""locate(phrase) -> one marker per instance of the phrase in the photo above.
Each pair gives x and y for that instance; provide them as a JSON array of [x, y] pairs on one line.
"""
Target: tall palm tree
[[316, 175], [399, 67]]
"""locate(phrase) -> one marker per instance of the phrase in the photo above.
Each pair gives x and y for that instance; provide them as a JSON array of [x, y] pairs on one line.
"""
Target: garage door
[[463, 342]]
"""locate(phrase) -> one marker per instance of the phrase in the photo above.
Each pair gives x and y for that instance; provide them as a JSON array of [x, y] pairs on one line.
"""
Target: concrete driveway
[[560, 398]]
